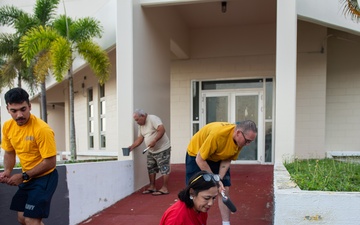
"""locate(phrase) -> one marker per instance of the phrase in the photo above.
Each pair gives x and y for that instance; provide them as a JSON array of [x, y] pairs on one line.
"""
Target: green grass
[[325, 174]]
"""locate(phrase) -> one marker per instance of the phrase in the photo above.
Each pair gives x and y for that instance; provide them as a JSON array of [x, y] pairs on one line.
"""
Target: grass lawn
[[326, 174]]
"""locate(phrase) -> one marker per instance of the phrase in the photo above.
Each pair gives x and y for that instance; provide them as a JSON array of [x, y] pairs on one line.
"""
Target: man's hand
[[221, 187], [15, 179], [4, 177]]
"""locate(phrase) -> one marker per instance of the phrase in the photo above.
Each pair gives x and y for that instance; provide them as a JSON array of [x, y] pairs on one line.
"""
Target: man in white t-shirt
[[152, 131]]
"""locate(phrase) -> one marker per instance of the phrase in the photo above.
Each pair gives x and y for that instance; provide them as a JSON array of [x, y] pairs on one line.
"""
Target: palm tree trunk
[[43, 102], [19, 80], [72, 117]]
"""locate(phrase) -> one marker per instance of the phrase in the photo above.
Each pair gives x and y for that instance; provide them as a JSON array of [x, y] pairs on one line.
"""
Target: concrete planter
[[83, 190], [294, 206]]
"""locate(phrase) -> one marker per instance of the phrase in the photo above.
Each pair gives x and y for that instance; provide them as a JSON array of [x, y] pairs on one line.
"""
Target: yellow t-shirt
[[32, 142], [215, 142]]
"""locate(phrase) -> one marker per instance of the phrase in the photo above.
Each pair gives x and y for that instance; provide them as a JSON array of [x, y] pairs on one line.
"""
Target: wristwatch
[[25, 176]]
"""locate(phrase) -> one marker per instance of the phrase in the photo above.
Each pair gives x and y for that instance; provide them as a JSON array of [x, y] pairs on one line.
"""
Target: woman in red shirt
[[195, 201]]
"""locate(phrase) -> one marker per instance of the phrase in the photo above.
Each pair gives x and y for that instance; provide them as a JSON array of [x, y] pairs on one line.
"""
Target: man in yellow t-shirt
[[213, 147], [33, 141]]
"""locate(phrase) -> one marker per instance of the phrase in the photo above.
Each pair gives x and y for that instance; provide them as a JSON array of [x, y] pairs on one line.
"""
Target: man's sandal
[[148, 191]]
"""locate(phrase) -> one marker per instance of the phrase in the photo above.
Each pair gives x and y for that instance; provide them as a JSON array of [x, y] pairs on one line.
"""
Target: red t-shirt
[[179, 214]]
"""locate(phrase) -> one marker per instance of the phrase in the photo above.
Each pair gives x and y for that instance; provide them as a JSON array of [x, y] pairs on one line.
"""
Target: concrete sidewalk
[[251, 192]]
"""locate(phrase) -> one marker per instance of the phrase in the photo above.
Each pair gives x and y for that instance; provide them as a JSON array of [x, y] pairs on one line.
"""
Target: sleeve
[[46, 142], [155, 121], [5, 143]]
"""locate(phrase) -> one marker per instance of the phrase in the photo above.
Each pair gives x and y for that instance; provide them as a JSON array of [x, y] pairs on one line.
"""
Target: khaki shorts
[[159, 162]]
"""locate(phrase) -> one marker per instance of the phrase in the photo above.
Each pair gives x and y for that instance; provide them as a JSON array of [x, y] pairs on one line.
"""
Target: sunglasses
[[207, 177], [247, 141]]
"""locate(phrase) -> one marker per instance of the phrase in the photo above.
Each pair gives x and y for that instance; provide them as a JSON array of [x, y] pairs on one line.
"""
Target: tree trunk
[[43, 102], [72, 117], [19, 80]]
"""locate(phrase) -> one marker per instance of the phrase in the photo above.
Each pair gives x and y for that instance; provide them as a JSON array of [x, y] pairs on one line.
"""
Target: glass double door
[[234, 107]]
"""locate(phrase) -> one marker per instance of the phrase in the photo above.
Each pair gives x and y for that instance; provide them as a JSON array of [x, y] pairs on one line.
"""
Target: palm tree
[[61, 42], [14, 66], [351, 8]]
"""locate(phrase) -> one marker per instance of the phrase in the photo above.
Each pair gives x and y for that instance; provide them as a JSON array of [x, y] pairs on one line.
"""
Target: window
[[102, 119], [90, 102]]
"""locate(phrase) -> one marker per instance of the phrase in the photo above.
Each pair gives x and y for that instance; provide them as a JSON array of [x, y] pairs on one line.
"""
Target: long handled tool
[[226, 200], [145, 150]]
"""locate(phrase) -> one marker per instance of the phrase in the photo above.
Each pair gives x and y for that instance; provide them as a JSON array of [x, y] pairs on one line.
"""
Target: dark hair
[[16, 95], [246, 125], [198, 185]]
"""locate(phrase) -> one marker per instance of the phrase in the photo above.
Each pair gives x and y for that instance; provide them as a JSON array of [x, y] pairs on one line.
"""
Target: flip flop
[[148, 191], [156, 193]]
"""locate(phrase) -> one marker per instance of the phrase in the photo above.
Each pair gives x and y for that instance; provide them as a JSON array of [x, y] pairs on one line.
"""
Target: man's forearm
[[9, 161], [224, 167], [202, 164], [46, 165]]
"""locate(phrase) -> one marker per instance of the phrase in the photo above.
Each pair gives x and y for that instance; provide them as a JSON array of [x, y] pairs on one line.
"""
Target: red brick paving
[[251, 192]]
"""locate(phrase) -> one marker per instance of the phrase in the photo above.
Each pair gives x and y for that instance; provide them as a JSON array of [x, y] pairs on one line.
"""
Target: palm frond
[[24, 23], [42, 66], [8, 44], [8, 73], [97, 58], [36, 40], [61, 56], [62, 24], [9, 15], [84, 29], [45, 10], [351, 8]]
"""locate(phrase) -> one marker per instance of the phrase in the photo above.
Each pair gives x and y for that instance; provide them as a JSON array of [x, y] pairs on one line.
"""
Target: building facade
[[284, 64]]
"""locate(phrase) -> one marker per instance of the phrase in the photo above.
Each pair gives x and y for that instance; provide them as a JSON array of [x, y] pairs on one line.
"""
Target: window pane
[[91, 141], [196, 98], [103, 108], [269, 99], [232, 84], [216, 109], [103, 124], [91, 126], [90, 95], [195, 128], [246, 108], [103, 141], [102, 91], [268, 141], [91, 111]]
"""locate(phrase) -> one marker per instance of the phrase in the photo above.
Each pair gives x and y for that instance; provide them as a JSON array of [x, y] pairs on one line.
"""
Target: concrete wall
[[310, 91], [83, 190], [294, 206], [343, 93]]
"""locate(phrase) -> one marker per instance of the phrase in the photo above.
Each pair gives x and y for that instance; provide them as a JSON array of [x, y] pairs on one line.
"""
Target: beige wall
[[311, 92], [250, 59], [343, 93]]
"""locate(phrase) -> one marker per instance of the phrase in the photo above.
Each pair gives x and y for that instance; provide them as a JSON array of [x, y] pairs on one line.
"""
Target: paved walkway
[[251, 192]]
